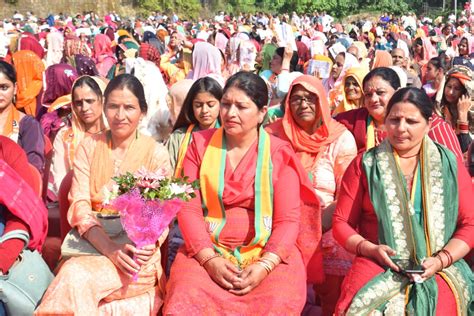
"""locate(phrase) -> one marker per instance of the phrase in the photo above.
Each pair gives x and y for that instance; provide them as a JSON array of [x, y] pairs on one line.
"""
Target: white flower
[[109, 194], [177, 189]]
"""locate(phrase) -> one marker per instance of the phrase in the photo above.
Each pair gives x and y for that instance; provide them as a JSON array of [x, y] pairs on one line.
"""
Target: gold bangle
[[269, 262], [272, 257], [265, 265]]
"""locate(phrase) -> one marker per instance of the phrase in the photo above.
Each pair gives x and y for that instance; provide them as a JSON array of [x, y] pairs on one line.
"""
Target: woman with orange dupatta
[[102, 284], [245, 253], [352, 93], [325, 148], [86, 100], [22, 129], [29, 69]]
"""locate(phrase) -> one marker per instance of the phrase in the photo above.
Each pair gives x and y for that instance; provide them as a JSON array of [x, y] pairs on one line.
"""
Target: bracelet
[[463, 127], [438, 256], [266, 265], [285, 69], [359, 246], [274, 258], [462, 124], [202, 262], [441, 261], [448, 255]]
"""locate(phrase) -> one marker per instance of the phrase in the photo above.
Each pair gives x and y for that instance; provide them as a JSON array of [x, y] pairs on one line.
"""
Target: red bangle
[[441, 261], [359, 246], [208, 258], [448, 254]]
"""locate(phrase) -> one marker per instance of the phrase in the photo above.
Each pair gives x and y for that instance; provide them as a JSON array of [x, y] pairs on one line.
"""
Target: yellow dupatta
[[182, 151]]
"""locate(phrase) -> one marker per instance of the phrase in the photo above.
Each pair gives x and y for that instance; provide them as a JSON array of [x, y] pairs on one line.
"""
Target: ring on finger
[[417, 278]]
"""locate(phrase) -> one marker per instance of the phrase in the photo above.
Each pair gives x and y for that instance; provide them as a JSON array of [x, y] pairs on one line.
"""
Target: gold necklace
[[98, 132]]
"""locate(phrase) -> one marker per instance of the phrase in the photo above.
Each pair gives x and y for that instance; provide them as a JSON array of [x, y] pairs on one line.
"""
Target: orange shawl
[[382, 59], [29, 70], [308, 146]]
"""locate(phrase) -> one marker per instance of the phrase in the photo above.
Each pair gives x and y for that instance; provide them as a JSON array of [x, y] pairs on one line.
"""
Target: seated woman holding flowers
[[102, 284], [245, 251]]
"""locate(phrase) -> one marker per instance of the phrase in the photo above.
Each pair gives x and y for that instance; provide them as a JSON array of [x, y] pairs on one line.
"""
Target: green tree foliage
[[186, 8], [339, 8]]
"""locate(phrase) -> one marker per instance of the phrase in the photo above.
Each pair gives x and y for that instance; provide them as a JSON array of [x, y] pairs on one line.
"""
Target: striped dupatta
[[212, 188]]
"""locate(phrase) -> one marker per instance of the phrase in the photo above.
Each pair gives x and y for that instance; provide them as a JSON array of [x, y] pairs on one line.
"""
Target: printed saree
[[413, 236]]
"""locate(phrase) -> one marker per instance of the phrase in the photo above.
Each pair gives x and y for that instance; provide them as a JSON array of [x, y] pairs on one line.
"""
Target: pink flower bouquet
[[147, 203]]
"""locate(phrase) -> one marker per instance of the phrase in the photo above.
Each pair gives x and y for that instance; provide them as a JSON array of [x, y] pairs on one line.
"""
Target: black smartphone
[[408, 266]]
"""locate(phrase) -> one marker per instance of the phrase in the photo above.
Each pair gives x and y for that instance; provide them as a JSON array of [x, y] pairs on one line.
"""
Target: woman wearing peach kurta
[[103, 284]]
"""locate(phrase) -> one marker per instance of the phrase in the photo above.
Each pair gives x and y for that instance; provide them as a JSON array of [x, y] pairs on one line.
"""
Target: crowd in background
[[368, 128]]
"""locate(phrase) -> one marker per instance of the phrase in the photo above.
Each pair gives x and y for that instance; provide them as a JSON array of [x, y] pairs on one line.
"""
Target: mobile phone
[[408, 266]]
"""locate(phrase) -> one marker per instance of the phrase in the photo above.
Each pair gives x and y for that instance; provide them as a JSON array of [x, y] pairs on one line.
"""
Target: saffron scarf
[[212, 187], [329, 130], [29, 70], [183, 148], [413, 237], [371, 139], [12, 125], [358, 73], [182, 151], [382, 59]]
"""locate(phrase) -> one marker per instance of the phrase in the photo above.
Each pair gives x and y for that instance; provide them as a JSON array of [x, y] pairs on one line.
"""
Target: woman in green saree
[[410, 200]]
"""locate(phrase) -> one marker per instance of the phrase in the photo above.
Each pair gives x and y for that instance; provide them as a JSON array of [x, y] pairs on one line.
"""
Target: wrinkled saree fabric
[[413, 238]]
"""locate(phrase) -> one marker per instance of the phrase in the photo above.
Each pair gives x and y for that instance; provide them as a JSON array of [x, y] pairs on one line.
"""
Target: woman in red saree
[[367, 124], [247, 253], [406, 201]]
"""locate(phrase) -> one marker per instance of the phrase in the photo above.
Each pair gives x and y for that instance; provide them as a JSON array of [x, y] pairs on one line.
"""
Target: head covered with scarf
[[326, 129]]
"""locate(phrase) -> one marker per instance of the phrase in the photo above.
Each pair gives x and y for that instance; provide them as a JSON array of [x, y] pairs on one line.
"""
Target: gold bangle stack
[[269, 261], [272, 257], [266, 265]]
